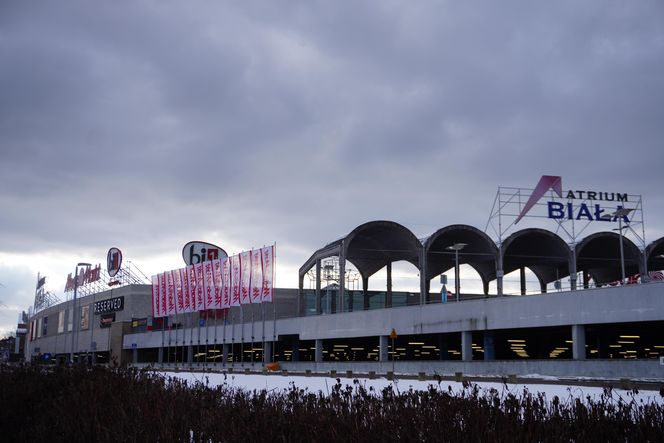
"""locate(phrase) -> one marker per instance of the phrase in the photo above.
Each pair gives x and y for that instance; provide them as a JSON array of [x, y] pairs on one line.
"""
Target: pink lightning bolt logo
[[545, 183]]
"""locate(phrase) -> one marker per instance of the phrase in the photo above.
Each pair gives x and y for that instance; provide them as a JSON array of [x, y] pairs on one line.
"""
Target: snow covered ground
[[314, 384]]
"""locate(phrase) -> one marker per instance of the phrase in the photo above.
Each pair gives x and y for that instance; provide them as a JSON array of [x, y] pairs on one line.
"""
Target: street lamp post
[[456, 247], [75, 318], [620, 213]]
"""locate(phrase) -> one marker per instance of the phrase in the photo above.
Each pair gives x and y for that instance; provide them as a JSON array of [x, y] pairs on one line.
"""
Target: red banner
[[200, 287], [179, 297], [170, 293], [184, 277], [216, 280], [235, 280], [245, 277], [155, 296], [162, 295], [226, 282], [191, 271], [208, 284], [256, 276], [268, 272]]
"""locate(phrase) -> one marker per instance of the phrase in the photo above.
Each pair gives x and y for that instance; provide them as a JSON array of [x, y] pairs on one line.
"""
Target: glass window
[[69, 319], [61, 322], [85, 317]]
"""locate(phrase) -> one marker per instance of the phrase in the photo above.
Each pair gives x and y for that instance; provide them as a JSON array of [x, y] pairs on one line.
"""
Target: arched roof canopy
[[480, 251], [655, 255], [542, 251], [599, 255], [373, 245], [370, 247]]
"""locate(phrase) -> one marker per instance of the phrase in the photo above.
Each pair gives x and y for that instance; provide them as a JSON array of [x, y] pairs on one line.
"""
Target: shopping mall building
[[598, 310]]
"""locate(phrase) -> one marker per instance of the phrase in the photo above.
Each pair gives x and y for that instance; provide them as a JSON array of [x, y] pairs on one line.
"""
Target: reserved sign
[[109, 305]]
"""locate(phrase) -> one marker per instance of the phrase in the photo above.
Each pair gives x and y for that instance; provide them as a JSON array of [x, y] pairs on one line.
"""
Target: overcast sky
[[145, 125]]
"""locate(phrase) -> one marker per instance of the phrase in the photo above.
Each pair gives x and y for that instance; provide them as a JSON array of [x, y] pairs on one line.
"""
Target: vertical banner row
[[244, 278]]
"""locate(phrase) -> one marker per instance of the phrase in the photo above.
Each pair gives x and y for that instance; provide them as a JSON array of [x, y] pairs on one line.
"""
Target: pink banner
[[216, 279], [235, 280], [179, 298], [200, 287], [208, 284], [268, 273], [155, 296], [170, 293], [162, 294], [184, 276], [191, 270], [256, 276], [225, 282], [245, 277]]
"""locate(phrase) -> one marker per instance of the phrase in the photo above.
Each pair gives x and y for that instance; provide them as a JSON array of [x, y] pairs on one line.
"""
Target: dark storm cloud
[[153, 123]]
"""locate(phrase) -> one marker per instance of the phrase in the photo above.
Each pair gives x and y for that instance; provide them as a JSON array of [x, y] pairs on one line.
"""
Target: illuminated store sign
[[113, 261], [106, 320], [86, 275]]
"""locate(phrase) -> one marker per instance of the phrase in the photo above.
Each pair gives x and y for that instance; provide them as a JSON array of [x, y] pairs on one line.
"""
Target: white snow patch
[[259, 382]]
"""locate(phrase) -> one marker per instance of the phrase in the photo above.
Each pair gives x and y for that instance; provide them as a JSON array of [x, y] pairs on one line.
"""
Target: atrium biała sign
[[591, 209]]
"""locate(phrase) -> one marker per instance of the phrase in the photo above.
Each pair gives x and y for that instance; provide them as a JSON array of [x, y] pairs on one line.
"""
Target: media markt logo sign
[[592, 208]]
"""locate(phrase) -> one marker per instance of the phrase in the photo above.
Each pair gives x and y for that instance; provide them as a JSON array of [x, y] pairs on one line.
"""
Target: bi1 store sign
[[198, 252], [569, 211]]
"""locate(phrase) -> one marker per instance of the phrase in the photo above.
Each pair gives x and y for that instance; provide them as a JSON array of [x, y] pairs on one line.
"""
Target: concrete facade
[[94, 338], [573, 311]]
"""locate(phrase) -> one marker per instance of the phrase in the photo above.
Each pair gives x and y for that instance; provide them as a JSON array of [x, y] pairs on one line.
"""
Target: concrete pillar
[[522, 278], [318, 294], [160, 355], [442, 345], [225, 350], [466, 345], [134, 355], [295, 347], [301, 305], [424, 296], [572, 269], [332, 300], [383, 354], [579, 342], [499, 271], [542, 285], [365, 292], [388, 294], [190, 354], [342, 278], [489, 346], [319, 350], [267, 352]]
